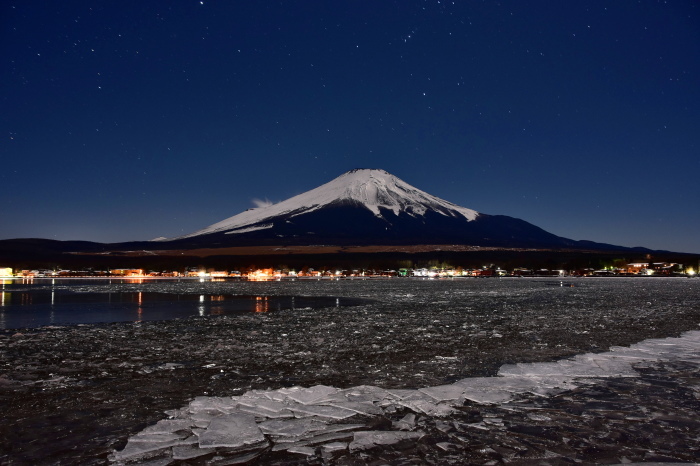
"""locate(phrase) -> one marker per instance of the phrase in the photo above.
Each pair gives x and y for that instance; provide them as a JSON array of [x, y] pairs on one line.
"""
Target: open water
[[41, 302]]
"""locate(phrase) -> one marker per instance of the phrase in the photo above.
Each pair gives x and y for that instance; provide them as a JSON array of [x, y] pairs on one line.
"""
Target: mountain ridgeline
[[372, 207], [363, 207]]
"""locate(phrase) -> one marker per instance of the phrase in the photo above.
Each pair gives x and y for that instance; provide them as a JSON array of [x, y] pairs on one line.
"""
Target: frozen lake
[[95, 386]]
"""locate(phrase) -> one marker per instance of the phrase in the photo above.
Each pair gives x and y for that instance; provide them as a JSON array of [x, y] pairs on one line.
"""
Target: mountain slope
[[374, 190], [362, 207], [369, 206]]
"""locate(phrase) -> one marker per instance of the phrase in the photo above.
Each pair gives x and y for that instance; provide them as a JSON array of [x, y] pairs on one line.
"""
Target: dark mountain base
[[331, 258]]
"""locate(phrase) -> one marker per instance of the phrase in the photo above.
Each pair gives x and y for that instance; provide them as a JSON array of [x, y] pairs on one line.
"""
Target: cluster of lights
[[271, 274]]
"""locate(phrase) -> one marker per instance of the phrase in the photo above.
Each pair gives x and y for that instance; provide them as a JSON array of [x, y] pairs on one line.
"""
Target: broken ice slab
[[266, 411], [446, 446], [297, 429], [419, 395], [539, 369], [320, 438], [360, 407], [401, 393], [240, 458], [408, 422], [334, 446], [335, 429], [518, 378], [588, 365], [300, 450], [306, 432], [607, 365], [233, 431], [515, 379], [573, 368], [332, 450], [262, 403], [338, 432], [681, 348], [212, 405], [254, 393], [176, 413], [259, 412], [426, 407], [329, 412], [309, 395], [135, 450], [165, 426], [187, 452], [314, 440], [156, 438], [156, 462], [368, 439], [490, 390], [633, 351], [488, 396], [441, 393], [361, 393], [202, 419], [274, 395], [292, 427], [615, 363]]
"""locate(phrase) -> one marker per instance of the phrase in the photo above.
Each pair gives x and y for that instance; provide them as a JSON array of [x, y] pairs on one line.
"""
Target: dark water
[[24, 306]]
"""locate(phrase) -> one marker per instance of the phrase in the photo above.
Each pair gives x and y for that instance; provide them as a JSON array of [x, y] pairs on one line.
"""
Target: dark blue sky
[[131, 120]]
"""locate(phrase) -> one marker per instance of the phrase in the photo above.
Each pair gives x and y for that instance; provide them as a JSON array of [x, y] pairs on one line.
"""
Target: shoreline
[[233, 279]]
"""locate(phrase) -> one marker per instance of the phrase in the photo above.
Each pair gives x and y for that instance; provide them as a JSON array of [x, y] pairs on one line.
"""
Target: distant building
[[5, 271], [127, 272], [637, 267]]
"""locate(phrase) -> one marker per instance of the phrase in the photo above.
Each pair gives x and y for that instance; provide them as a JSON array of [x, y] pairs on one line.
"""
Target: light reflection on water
[[261, 304], [139, 310], [27, 306]]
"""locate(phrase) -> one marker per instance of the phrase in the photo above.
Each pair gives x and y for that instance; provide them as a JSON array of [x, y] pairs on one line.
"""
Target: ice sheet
[[323, 415], [231, 431]]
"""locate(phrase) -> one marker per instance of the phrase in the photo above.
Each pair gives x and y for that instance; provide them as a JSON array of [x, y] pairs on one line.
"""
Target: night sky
[[129, 120]]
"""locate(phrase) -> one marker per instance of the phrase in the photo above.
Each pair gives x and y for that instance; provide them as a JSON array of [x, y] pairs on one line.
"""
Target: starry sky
[[131, 120]]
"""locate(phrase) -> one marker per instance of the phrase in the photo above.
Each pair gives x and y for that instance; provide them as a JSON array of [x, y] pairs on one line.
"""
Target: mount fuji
[[371, 207]]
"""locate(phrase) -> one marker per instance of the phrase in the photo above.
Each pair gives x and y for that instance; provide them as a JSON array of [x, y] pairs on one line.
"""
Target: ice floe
[[327, 421]]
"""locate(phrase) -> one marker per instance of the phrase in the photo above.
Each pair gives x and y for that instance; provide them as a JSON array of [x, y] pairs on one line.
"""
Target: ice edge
[[292, 419]]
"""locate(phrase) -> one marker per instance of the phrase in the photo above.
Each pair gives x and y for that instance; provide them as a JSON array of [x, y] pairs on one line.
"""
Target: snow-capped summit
[[369, 207], [363, 207], [376, 190]]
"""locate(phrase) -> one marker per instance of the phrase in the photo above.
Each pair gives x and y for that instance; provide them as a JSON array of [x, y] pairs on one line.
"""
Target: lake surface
[[93, 386], [40, 302]]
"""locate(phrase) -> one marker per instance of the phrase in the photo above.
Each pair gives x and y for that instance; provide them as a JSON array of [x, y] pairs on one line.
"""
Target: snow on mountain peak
[[374, 189]]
